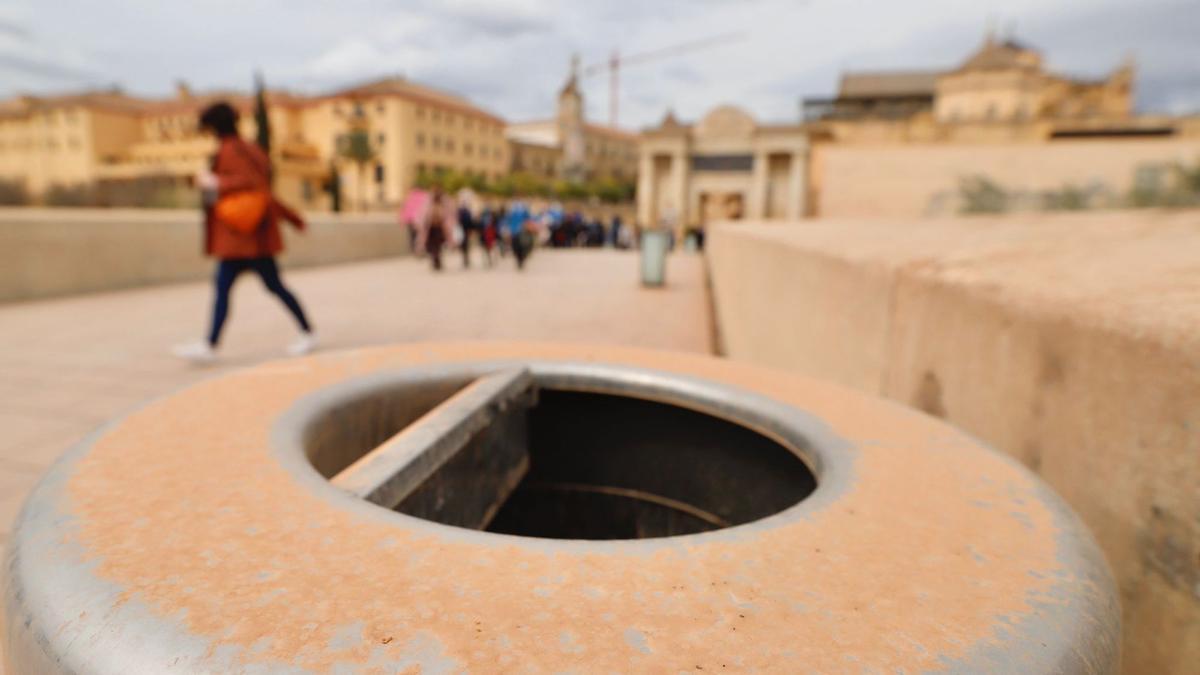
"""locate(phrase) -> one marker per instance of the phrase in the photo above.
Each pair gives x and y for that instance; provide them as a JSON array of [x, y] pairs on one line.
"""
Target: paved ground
[[67, 366]]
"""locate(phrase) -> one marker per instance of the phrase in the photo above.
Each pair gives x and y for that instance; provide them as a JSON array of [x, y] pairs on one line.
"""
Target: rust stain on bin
[[936, 554]]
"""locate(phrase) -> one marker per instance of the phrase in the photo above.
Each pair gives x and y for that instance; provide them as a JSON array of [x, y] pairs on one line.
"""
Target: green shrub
[[981, 195], [13, 193]]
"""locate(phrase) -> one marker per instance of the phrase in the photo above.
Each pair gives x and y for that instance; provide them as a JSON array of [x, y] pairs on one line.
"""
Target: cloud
[[498, 18], [26, 62], [511, 56]]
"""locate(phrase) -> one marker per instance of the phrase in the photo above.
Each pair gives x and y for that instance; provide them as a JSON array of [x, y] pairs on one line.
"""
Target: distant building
[[107, 141], [909, 143], [570, 148], [725, 167], [887, 95], [1003, 81], [413, 129]]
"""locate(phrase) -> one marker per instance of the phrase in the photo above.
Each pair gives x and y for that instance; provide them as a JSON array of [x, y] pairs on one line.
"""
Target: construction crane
[[616, 62]]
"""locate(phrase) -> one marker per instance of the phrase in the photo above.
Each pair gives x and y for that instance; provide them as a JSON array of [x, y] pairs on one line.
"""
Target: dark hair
[[220, 118]]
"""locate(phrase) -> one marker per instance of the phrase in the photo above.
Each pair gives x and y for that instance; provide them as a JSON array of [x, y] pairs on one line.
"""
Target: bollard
[[655, 243], [541, 507]]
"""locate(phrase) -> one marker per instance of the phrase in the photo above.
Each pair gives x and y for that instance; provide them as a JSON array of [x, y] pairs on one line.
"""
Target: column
[[680, 168], [646, 195], [798, 183], [756, 207]]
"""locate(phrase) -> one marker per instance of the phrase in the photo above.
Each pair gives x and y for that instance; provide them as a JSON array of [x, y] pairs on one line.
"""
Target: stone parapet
[[1069, 342], [51, 252]]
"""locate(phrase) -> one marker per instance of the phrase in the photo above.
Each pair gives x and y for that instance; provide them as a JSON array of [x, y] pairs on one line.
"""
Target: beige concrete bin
[[545, 508]]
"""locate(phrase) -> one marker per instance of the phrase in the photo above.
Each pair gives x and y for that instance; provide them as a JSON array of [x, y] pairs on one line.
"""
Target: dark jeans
[[433, 245], [522, 245], [227, 273]]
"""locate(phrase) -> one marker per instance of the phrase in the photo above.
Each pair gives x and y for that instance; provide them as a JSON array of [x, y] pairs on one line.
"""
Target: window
[[467, 123], [468, 149], [379, 139], [378, 173], [420, 112], [435, 116], [420, 140], [379, 107], [437, 142], [358, 110], [449, 145]]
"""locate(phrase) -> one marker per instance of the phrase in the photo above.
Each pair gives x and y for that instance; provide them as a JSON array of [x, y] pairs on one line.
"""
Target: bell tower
[[571, 126]]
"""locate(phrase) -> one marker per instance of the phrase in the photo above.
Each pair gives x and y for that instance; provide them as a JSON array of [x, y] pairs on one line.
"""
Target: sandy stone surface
[[68, 366], [1070, 341]]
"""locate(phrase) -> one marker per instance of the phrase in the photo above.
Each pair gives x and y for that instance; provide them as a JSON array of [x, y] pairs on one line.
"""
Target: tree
[[355, 146], [261, 119], [425, 179], [502, 187], [334, 187], [611, 190]]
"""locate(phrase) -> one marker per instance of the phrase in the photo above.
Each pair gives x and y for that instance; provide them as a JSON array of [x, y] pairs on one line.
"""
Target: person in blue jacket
[[517, 232]]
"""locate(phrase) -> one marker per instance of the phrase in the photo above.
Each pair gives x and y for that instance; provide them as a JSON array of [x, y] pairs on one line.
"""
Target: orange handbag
[[243, 211]]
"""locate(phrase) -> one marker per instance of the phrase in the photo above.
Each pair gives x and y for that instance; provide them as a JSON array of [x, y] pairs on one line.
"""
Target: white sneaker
[[303, 344], [199, 352]]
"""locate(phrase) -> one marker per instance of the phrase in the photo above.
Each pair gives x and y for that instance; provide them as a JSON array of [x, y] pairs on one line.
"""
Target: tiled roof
[[105, 100], [611, 132], [899, 83], [407, 89]]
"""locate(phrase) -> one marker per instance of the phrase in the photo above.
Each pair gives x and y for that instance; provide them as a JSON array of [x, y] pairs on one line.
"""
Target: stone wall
[[923, 179], [48, 252], [1070, 342]]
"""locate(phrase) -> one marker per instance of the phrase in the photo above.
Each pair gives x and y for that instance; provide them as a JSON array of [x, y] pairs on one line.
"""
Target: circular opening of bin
[[562, 454]]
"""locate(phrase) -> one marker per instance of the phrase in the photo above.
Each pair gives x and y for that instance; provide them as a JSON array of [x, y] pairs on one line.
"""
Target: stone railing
[[49, 252], [1071, 343]]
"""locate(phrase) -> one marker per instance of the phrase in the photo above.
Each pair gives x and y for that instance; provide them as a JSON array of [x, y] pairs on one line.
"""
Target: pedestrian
[[489, 233], [517, 227], [466, 223], [241, 229], [437, 227], [410, 214], [501, 218]]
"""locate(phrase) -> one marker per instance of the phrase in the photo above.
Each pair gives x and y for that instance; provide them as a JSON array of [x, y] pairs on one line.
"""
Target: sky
[[512, 56]]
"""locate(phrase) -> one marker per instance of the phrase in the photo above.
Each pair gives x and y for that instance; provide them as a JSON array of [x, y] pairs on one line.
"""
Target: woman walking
[[242, 229]]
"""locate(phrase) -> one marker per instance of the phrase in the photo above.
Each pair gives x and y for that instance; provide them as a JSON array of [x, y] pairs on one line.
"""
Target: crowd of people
[[438, 222], [242, 216]]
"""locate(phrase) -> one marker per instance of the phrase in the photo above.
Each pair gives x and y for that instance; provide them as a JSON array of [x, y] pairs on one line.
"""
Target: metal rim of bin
[[275, 570], [822, 452]]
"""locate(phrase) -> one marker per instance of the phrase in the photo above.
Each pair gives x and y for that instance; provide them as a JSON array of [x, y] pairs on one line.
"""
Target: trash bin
[[655, 244], [541, 507]]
